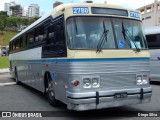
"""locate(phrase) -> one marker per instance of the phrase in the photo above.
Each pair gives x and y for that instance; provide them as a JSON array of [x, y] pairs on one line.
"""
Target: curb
[[9, 83], [3, 71]]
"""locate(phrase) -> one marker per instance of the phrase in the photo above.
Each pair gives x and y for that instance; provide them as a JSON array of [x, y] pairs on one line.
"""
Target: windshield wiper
[[75, 25], [102, 39], [129, 37], [124, 35]]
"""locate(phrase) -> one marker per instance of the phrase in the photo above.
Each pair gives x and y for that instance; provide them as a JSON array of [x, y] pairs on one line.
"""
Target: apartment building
[[151, 14], [13, 9], [33, 10]]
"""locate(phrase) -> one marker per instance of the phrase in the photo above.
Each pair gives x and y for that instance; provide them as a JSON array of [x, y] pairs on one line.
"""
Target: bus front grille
[[119, 80]]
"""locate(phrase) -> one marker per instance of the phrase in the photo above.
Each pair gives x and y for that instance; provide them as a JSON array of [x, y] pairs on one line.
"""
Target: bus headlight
[[144, 79], [87, 82], [95, 82], [141, 79]]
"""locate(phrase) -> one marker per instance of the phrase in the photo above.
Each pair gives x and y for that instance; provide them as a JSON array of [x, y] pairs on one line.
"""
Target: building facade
[[13, 9], [33, 10], [17, 11], [25, 12], [151, 14], [7, 7]]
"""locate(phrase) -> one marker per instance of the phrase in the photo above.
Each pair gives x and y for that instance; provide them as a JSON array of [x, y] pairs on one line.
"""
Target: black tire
[[50, 92], [16, 77]]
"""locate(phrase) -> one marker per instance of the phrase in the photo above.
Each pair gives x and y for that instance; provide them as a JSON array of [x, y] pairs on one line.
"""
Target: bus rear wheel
[[50, 92]]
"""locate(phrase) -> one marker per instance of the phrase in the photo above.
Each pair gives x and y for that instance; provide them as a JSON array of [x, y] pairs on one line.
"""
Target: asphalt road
[[23, 98]]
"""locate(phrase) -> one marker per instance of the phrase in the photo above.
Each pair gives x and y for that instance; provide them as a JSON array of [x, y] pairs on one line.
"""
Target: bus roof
[[66, 6], [152, 30]]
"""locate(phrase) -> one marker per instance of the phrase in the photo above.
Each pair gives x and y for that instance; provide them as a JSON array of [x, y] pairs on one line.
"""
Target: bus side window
[[58, 34], [51, 35], [14, 46], [45, 35], [23, 41], [39, 34], [18, 44], [30, 38], [60, 40], [55, 41]]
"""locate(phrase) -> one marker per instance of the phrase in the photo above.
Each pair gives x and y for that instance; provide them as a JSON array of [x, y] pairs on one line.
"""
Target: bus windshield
[[88, 33]]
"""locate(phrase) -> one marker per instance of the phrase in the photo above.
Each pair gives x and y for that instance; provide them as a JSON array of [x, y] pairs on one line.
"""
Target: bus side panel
[[30, 71], [58, 72], [12, 69]]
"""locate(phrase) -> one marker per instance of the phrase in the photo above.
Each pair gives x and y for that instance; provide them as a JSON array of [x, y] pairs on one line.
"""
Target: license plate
[[120, 95]]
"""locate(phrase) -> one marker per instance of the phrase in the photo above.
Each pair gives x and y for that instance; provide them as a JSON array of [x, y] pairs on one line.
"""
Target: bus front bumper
[[107, 99]]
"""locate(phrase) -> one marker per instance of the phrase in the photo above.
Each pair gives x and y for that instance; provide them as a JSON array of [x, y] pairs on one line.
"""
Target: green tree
[[13, 22], [2, 26], [25, 21], [3, 16], [32, 20]]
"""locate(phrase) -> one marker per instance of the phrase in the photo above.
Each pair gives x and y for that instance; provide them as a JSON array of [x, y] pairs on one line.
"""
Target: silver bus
[[153, 39], [86, 55]]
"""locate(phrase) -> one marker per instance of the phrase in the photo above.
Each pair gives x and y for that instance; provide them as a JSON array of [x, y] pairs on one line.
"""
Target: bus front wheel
[[50, 92]]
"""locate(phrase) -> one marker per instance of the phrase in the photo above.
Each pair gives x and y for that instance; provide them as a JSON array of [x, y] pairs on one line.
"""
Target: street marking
[[10, 83]]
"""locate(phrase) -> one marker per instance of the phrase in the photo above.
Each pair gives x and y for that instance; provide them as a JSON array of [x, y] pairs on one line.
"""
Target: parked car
[[4, 50]]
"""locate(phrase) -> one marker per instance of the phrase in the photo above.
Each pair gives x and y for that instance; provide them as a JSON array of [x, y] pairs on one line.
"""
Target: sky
[[46, 5]]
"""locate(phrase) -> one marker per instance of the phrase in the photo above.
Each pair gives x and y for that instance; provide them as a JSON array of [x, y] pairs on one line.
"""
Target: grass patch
[[4, 62], [5, 38]]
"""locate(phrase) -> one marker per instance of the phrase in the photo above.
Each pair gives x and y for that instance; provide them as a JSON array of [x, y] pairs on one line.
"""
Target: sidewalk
[[4, 70], [5, 78]]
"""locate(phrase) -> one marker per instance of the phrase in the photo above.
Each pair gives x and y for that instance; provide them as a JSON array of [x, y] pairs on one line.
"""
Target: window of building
[[149, 17], [158, 7], [149, 9], [142, 11]]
